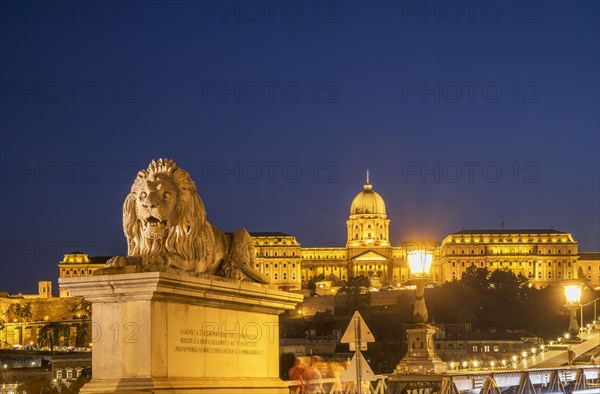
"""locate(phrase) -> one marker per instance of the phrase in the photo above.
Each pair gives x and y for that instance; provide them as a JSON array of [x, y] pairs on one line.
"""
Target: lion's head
[[164, 213]]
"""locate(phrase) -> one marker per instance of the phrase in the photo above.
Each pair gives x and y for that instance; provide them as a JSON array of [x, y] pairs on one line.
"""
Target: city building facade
[[543, 256], [79, 264]]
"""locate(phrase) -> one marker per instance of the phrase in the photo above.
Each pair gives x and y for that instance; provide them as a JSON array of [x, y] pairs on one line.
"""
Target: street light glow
[[420, 262], [572, 292]]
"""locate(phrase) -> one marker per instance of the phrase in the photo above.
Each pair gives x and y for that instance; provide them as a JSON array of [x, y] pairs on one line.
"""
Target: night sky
[[463, 114]]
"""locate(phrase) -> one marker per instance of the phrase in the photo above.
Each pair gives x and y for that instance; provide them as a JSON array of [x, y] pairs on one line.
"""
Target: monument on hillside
[[184, 311]]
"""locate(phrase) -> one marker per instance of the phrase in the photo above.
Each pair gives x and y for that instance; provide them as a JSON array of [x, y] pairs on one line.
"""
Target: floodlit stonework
[[185, 311], [157, 331], [164, 221], [544, 256]]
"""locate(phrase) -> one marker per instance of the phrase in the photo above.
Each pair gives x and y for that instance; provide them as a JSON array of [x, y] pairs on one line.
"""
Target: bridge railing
[[336, 386]]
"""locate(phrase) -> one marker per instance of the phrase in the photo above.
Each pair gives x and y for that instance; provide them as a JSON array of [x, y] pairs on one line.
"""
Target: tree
[[312, 283], [82, 338], [40, 385], [583, 279], [51, 333], [24, 314], [357, 292]]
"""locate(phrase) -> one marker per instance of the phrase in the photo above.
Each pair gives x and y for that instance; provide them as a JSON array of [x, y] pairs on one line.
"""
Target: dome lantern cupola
[[368, 224]]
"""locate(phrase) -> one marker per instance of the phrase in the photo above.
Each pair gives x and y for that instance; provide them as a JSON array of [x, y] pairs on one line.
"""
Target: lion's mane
[[188, 236]]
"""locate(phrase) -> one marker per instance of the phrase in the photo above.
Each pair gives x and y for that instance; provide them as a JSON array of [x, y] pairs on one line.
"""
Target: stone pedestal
[[164, 332], [420, 357]]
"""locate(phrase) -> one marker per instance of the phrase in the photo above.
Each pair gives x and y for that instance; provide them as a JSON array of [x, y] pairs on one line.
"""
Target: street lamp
[[420, 357], [419, 262], [573, 297]]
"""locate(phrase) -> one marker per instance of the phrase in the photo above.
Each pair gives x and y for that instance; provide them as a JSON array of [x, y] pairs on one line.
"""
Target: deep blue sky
[[167, 75]]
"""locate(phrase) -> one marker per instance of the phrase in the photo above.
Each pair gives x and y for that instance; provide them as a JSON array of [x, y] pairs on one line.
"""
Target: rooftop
[[589, 255], [269, 234], [511, 231]]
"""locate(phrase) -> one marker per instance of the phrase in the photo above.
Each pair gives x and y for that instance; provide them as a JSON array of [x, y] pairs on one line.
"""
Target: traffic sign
[[350, 336], [351, 374]]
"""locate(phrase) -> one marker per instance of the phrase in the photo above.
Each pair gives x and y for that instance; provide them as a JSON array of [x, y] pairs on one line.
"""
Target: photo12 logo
[[68, 92], [269, 171], [469, 92], [269, 92], [469, 12], [271, 12], [469, 172], [34, 12]]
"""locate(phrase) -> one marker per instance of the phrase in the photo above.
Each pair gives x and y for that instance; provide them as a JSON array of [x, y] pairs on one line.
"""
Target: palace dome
[[367, 202]]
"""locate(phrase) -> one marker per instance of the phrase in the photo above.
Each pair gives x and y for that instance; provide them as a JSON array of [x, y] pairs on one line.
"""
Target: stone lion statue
[[164, 221]]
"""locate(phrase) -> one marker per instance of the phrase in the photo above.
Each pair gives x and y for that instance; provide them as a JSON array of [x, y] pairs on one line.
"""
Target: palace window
[[266, 254], [293, 276], [284, 265], [481, 265], [69, 374], [549, 264], [267, 265], [454, 263], [275, 276], [275, 265], [549, 275], [275, 254], [293, 253], [539, 275], [284, 254], [284, 276], [293, 265], [59, 374]]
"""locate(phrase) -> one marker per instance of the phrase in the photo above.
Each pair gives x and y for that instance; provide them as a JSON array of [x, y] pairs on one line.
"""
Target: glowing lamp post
[[573, 296], [419, 262], [420, 357]]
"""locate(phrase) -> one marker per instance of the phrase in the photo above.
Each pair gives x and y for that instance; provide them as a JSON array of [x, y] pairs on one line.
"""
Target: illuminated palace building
[[543, 256]]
